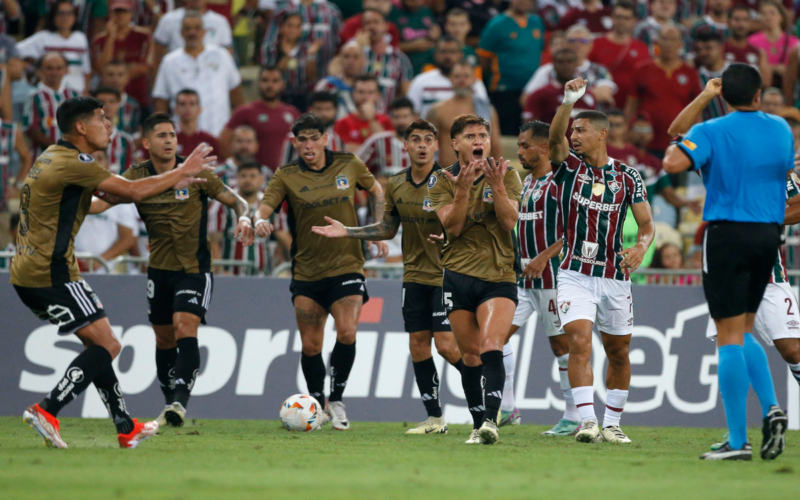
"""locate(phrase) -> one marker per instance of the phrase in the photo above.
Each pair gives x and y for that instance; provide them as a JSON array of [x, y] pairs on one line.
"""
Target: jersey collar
[[67, 144], [152, 170], [328, 162], [410, 179]]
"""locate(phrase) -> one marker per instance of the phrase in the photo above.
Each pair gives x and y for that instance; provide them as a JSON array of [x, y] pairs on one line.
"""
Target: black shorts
[[737, 262], [328, 290], [170, 292], [71, 306], [423, 308], [467, 293]]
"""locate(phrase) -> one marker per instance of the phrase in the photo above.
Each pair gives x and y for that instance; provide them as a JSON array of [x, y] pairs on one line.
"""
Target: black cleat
[[774, 432], [727, 453]]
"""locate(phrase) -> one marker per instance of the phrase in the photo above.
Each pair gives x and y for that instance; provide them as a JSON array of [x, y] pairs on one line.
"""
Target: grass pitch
[[218, 459]]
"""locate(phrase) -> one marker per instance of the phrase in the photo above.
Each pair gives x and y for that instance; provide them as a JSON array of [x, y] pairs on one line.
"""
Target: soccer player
[[476, 200], [327, 276], [385, 153], [55, 198], [407, 202], [179, 278], [594, 285], [540, 241]]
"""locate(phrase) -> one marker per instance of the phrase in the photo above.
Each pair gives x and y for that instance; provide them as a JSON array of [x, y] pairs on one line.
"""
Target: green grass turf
[[259, 459]]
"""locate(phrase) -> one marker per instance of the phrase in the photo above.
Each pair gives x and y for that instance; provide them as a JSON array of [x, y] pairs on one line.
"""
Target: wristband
[[245, 218], [259, 221], [573, 96]]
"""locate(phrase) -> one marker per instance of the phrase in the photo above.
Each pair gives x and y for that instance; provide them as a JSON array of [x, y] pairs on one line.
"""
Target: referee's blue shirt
[[744, 157]]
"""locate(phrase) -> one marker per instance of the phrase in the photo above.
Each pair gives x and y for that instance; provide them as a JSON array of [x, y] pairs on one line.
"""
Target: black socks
[[471, 382], [342, 359], [165, 362], [81, 372], [428, 383], [108, 387], [494, 377], [186, 367], [314, 372]]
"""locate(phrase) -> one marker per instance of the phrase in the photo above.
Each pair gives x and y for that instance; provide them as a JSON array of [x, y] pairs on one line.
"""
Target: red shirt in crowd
[[353, 25], [271, 126], [662, 96], [220, 7], [749, 54], [598, 21], [187, 143], [620, 60], [543, 104], [627, 154], [132, 49], [352, 129]]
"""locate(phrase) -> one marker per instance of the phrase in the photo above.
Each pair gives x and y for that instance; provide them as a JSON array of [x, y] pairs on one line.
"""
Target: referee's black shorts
[[737, 262]]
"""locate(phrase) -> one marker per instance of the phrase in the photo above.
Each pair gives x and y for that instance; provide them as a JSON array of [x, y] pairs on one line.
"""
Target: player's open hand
[[535, 268], [263, 228], [631, 258], [381, 249], [436, 239], [188, 181], [465, 177], [335, 230], [495, 171], [244, 232], [714, 87], [198, 161]]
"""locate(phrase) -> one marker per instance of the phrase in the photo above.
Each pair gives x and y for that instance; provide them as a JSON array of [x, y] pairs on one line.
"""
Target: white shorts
[[777, 316], [604, 301], [544, 303]]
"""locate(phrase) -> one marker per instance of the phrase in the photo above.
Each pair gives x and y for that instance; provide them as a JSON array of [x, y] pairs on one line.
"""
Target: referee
[[743, 158]]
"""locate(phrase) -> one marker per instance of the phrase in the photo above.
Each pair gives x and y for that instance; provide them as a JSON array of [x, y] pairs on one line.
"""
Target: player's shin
[[758, 371], [81, 372], [493, 380], [570, 410], [471, 382], [342, 358], [165, 363], [110, 393], [615, 403], [508, 404], [734, 384], [314, 373], [584, 400], [428, 384], [186, 367]]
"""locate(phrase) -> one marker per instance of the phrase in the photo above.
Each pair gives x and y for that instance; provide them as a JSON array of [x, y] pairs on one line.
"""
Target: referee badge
[[487, 195], [598, 189], [342, 182], [182, 194]]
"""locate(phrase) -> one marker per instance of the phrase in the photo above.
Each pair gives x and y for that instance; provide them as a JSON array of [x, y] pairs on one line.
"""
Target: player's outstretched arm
[[559, 145], [244, 228], [99, 206], [688, 116], [632, 257], [507, 210], [454, 216], [536, 266], [141, 189], [263, 227], [386, 229], [792, 214]]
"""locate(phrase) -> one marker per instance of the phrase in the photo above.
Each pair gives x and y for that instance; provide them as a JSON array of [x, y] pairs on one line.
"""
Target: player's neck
[[162, 166], [188, 128], [597, 159], [271, 103], [251, 198], [541, 169], [717, 66], [668, 61], [80, 143], [194, 51], [739, 43], [719, 17], [617, 144], [419, 172], [122, 32]]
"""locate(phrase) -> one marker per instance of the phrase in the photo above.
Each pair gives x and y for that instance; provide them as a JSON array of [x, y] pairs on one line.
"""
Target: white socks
[[508, 403], [584, 400], [570, 410], [615, 403], [795, 371]]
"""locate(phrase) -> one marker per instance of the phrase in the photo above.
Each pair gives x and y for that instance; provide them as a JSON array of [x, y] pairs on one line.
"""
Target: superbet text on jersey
[[593, 202]]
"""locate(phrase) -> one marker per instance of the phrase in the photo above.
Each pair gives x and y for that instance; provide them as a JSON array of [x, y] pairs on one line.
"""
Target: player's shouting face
[[587, 137], [310, 144], [472, 144], [421, 146]]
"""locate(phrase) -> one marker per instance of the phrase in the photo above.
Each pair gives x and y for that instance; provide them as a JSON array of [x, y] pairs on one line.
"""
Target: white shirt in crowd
[[545, 75], [99, 232], [75, 50], [432, 86], [168, 30], [213, 74]]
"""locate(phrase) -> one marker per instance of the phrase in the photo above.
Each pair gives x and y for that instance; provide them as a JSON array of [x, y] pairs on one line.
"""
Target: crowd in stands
[[369, 68]]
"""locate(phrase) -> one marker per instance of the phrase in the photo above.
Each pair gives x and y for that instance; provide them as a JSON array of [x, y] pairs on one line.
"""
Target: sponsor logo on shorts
[[193, 300], [187, 292], [437, 314], [61, 315], [793, 325], [353, 282], [96, 300], [564, 307], [342, 182]]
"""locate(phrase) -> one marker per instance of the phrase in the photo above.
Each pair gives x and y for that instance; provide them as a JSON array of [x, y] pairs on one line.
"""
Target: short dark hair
[[74, 110], [709, 36], [116, 62], [464, 121], [401, 103], [615, 112], [740, 83], [376, 11], [154, 120], [365, 78], [309, 121], [421, 125], [445, 38], [625, 4], [50, 22], [740, 6], [456, 11], [269, 67], [249, 165], [324, 97], [187, 92], [598, 119], [40, 61], [107, 90], [539, 130]]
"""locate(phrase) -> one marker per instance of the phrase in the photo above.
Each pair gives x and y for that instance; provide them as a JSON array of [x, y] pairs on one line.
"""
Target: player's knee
[[447, 350], [420, 348], [163, 342], [471, 359], [791, 352], [113, 346], [618, 355], [312, 346], [579, 346], [346, 335]]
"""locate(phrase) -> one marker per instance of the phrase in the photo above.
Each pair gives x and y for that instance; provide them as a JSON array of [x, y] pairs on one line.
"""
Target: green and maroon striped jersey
[[779, 270], [593, 202], [40, 112], [539, 227]]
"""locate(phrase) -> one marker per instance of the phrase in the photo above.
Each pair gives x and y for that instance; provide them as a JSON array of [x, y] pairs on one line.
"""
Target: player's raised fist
[[714, 87], [574, 90]]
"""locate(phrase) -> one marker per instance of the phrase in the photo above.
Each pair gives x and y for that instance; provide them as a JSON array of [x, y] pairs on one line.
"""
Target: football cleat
[[175, 414], [613, 434], [509, 418], [488, 432], [45, 425], [563, 428], [433, 425], [474, 438], [338, 417], [716, 446], [161, 419], [589, 432], [774, 433], [728, 453], [140, 432]]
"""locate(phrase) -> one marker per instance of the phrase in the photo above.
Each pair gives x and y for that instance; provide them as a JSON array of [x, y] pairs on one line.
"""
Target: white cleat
[[338, 417], [433, 425], [488, 432], [474, 438], [141, 432], [613, 434], [175, 414], [161, 419], [589, 432]]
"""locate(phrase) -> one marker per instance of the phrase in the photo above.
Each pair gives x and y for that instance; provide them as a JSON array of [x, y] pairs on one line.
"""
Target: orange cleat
[[45, 425], [140, 432]]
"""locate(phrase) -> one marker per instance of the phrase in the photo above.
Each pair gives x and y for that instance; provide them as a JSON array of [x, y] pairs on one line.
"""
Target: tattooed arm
[[244, 229], [377, 201], [386, 229]]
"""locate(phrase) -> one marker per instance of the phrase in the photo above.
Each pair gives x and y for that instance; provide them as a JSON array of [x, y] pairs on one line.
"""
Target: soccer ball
[[302, 413]]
